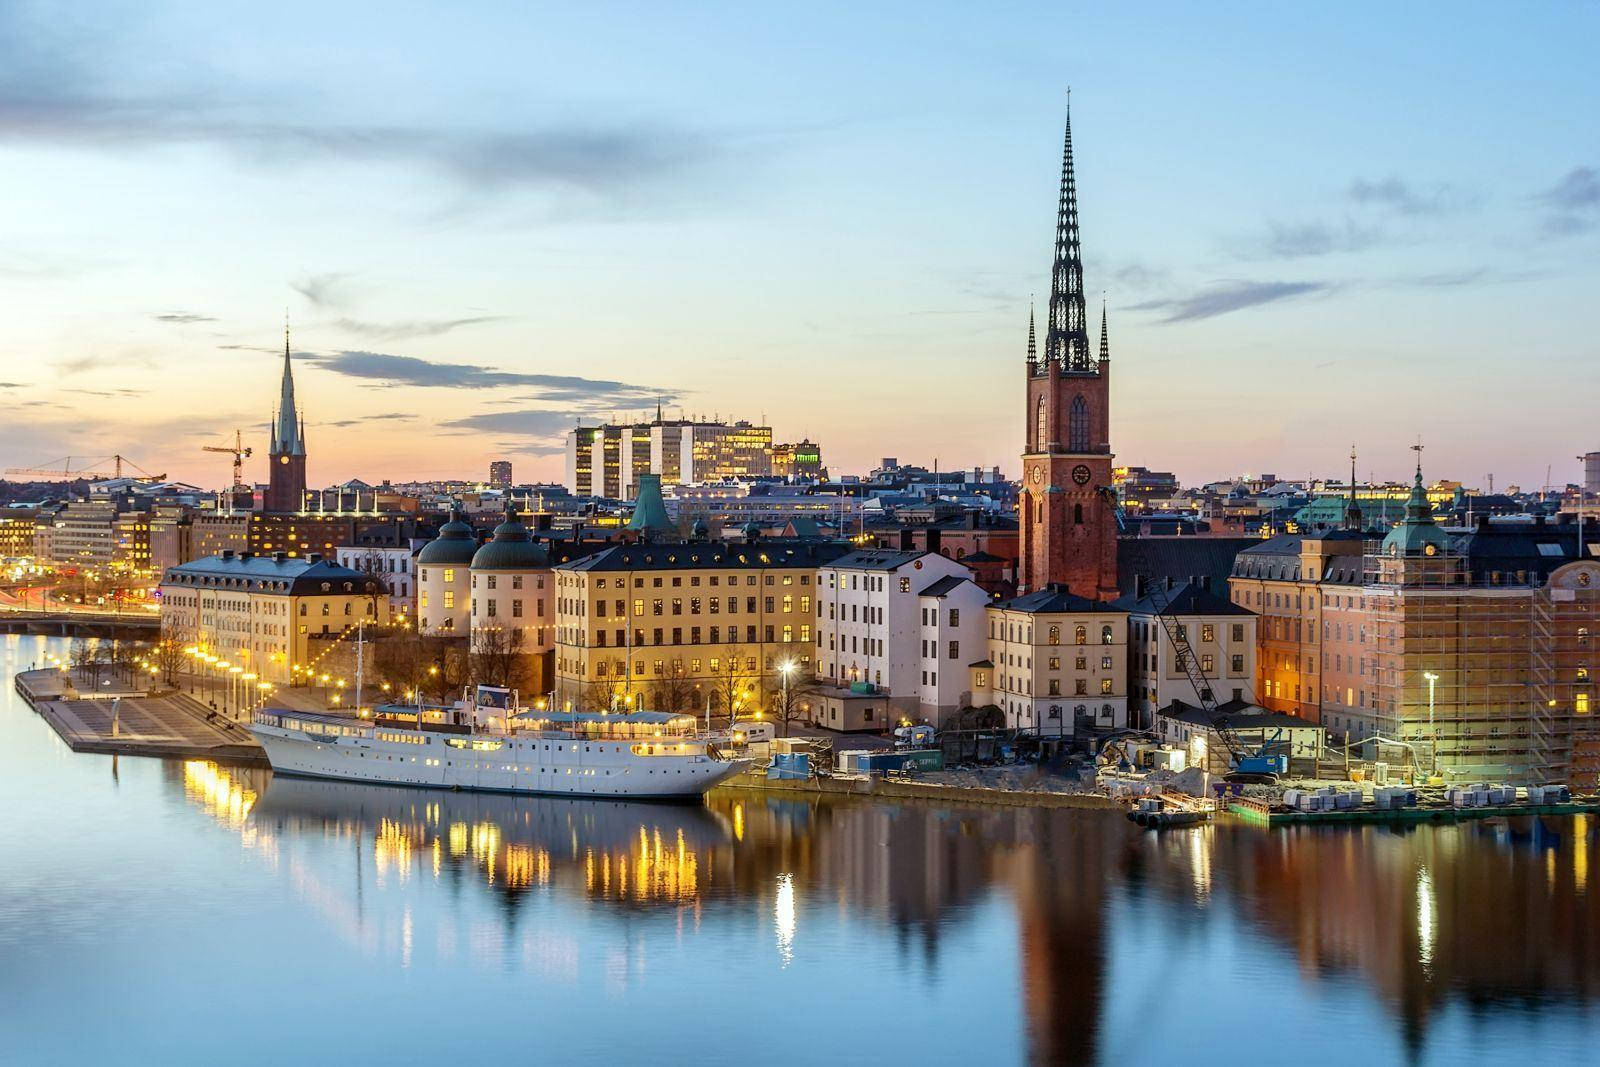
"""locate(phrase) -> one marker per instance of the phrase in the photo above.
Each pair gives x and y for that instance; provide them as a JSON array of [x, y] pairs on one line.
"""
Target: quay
[[166, 726], [1259, 813], [884, 788]]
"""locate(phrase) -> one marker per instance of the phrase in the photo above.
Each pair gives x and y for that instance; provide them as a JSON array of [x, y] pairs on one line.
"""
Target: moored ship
[[636, 755]]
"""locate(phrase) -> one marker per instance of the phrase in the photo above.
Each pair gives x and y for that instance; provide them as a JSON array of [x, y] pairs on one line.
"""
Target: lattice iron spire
[[1067, 338]]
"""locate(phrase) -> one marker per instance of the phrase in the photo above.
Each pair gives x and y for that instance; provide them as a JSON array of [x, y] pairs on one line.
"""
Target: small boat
[[1161, 813]]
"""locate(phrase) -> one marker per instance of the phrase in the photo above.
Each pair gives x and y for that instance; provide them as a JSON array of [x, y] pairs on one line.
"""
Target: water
[[195, 914]]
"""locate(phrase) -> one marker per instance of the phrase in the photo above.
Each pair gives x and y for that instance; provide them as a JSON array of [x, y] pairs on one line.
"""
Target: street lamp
[[1433, 737]]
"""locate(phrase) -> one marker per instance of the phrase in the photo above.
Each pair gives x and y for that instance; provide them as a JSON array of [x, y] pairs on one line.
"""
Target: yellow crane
[[238, 451]]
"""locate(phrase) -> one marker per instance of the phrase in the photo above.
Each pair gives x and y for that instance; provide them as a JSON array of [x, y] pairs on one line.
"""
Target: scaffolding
[[1467, 673]]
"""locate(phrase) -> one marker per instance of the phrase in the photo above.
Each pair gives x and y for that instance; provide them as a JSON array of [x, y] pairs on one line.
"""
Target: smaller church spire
[[1105, 338], [1033, 346], [1353, 519]]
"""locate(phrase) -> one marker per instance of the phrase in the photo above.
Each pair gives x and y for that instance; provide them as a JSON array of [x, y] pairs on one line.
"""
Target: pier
[[165, 726]]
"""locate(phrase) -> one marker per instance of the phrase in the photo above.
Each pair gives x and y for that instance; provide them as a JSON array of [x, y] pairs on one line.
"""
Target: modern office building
[[607, 461], [500, 474]]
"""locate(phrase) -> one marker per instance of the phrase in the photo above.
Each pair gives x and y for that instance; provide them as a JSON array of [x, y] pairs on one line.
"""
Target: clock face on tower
[[283, 459], [1037, 475], [1080, 474]]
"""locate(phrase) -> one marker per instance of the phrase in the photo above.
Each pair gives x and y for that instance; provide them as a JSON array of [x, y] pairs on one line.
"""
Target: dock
[[884, 788], [1260, 814], [164, 726]]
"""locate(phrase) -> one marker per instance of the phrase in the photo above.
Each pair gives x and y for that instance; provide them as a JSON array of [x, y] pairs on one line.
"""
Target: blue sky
[[1313, 227]]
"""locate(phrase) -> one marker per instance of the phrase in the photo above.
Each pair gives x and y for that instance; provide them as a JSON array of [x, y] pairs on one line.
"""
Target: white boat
[[635, 755]]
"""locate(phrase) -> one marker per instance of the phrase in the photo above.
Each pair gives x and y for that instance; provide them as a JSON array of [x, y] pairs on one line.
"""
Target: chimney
[[279, 557], [314, 557], [1483, 522], [906, 540], [227, 553], [933, 539], [1140, 586]]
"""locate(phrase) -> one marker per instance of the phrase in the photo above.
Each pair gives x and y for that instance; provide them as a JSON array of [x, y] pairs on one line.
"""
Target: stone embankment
[[169, 725]]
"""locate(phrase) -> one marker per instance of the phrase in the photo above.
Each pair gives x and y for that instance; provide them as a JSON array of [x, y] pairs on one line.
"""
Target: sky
[[1312, 227]]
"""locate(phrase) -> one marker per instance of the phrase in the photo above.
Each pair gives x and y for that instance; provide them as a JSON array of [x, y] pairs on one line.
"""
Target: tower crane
[[239, 452], [63, 468]]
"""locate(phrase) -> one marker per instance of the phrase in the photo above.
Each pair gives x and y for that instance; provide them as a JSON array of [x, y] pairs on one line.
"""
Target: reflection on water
[[218, 912], [1490, 914]]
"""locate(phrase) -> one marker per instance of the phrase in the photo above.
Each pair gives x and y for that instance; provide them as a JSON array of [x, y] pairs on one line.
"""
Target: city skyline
[[465, 289]]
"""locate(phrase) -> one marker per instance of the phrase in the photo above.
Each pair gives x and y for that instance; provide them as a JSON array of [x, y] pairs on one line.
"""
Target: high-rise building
[[1067, 507], [286, 480], [1591, 473], [609, 460], [500, 473]]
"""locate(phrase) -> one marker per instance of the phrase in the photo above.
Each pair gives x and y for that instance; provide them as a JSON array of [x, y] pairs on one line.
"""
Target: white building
[[608, 460], [444, 581], [1221, 634], [395, 564], [873, 626], [1058, 663]]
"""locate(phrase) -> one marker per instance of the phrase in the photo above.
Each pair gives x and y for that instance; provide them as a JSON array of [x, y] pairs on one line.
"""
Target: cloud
[[409, 370], [107, 392], [391, 416], [1406, 199], [183, 318], [1224, 297], [1294, 241], [325, 290], [1573, 202], [538, 431], [395, 331], [13, 385]]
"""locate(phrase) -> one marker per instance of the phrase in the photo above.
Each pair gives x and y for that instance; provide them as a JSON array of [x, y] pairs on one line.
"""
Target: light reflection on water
[[223, 904]]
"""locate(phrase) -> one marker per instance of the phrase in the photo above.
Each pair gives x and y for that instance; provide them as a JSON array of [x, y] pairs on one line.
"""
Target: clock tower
[[286, 478], [1066, 510]]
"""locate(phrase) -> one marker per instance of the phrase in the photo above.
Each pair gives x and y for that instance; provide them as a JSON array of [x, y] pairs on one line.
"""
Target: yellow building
[[672, 625], [261, 613]]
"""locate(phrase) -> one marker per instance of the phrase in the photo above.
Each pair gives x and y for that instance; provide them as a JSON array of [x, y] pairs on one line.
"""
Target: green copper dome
[[455, 544], [1416, 534], [511, 549]]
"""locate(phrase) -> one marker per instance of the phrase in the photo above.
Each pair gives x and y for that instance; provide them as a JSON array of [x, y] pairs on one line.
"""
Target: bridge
[[80, 623]]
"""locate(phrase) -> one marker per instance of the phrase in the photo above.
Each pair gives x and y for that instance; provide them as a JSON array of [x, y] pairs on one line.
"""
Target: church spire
[[288, 437], [1352, 511], [1105, 337], [1067, 338], [1033, 347]]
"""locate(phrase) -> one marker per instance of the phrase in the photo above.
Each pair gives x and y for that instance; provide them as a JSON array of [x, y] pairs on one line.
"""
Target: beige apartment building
[[1058, 663], [672, 624], [262, 612]]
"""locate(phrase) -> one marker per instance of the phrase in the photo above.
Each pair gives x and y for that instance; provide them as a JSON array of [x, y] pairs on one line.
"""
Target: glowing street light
[[1433, 737]]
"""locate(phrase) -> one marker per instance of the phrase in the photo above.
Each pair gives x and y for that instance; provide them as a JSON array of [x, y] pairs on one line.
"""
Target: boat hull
[[535, 766]]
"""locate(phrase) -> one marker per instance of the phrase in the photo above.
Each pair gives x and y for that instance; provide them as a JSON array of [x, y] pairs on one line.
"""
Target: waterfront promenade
[[169, 725]]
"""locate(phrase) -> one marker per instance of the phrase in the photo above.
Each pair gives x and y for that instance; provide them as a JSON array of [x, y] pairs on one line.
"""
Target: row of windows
[[714, 635], [696, 606]]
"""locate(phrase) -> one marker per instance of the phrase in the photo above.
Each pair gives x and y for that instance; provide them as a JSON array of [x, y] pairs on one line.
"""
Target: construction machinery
[[92, 469], [1266, 762], [238, 451]]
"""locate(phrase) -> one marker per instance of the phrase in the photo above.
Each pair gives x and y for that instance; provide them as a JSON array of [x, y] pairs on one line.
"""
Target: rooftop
[[681, 555]]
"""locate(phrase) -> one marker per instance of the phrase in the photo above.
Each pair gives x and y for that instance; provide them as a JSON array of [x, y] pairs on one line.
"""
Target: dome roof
[[511, 549], [456, 543], [1416, 534]]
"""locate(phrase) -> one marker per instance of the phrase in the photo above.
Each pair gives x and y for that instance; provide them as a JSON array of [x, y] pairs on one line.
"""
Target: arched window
[[1078, 425], [1105, 634], [1080, 636], [1042, 421], [1055, 635]]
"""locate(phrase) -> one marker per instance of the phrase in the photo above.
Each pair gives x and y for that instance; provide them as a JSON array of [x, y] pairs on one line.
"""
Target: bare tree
[[449, 666], [402, 660], [734, 686], [497, 657], [169, 656], [672, 691], [791, 703]]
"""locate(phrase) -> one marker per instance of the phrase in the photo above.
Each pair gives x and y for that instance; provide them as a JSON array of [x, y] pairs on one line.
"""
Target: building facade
[[261, 613], [873, 626], [444, 580], [608, 460], [511, 603], [500, 473], [1221, 636], [674, 624], [1058, 663], [1067, 505]]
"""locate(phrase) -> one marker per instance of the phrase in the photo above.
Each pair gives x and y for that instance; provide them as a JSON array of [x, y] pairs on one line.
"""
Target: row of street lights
[[244, 688]]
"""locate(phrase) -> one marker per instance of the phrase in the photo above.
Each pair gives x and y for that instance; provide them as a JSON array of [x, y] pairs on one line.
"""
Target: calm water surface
[[187, 913]]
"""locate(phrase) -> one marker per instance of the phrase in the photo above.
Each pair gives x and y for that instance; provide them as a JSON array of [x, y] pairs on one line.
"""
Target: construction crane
[[1262, 765], [239, 453], [63, 468]]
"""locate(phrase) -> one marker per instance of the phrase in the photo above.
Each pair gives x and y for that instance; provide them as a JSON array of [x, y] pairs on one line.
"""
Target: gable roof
[[1056, 599], [1186, 598]]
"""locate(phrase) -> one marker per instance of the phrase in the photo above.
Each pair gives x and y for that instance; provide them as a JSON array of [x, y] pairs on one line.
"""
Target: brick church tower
[[286, 478], [1066, 510]]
